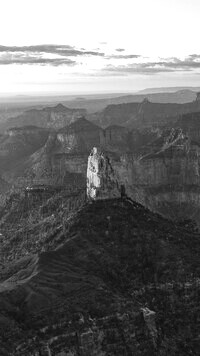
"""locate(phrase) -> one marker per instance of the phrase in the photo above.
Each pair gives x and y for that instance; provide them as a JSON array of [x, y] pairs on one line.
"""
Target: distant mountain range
[[94, 103], [144, 114], [48, 117], [118, 110], [167, 90]]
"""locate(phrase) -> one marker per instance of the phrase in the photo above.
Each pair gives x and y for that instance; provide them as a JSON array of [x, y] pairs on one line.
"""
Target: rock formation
[[102, 182]]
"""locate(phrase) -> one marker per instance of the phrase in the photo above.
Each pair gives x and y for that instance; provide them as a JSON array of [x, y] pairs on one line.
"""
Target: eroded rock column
[[102, 182]]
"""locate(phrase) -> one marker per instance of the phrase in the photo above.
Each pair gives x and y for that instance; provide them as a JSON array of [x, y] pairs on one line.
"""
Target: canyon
[[99, 238], [158, 166]]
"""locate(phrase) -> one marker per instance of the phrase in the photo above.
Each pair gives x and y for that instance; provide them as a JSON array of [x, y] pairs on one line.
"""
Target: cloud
[[123, 56], [193, 57], [33, 60], [59, 55], [135, 69], [42, 54], [190, 63], [62, 50]]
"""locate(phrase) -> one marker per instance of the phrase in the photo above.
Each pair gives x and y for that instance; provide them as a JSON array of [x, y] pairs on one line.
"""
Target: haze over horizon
[[77, 47]]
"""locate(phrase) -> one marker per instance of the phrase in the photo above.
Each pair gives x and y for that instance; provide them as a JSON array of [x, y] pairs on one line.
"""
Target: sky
[[98, 46]]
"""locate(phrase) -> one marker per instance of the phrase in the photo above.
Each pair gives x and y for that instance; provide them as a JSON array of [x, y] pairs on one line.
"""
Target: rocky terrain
[[102, 278]]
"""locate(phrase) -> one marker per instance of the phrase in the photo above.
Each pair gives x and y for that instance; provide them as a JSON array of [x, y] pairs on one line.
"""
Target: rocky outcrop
[[102, 181], [149, 317]]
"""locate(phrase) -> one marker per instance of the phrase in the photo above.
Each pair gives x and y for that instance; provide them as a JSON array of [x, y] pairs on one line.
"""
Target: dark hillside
[[119, 280]]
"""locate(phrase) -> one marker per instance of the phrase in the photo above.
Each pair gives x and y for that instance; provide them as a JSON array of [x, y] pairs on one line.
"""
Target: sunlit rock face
[[102, 182]]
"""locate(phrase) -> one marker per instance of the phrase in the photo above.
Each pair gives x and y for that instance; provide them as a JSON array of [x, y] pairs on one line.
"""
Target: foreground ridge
[[123, 280]]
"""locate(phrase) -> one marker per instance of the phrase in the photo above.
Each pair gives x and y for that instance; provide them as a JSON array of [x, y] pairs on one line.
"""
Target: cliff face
[[166, 180], [102, 181], [170, 185]]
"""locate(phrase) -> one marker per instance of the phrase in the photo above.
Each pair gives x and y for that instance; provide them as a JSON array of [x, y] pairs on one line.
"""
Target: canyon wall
[[167, 181]]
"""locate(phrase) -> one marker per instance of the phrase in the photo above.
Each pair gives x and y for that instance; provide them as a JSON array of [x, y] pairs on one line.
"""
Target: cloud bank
[[190, 63], [66, 55], [42, 54]]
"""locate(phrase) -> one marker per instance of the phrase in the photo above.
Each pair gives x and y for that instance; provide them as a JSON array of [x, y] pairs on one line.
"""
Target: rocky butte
[[102, 182]]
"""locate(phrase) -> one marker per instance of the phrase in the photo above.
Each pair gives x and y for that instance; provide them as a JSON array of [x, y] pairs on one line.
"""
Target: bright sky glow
[[89, 46]]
